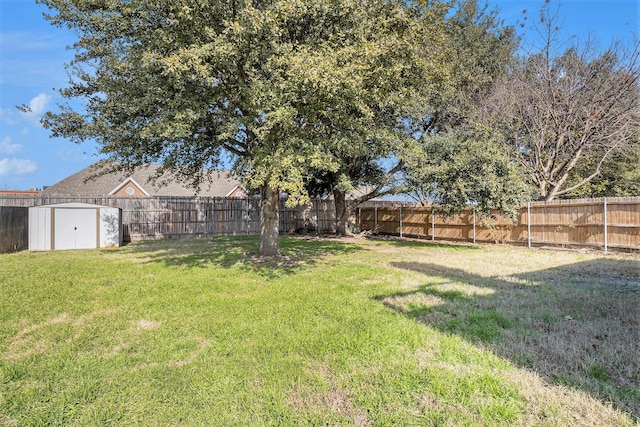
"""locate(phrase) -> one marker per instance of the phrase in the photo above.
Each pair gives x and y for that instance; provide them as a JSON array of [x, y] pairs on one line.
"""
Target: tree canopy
[[457, 161], [466, 166], [619, 175], [278, 86], [565, 113]]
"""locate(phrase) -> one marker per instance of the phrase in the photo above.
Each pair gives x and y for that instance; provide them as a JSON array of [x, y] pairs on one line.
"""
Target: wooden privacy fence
[[163, 217], [603, 223], [14, 231]]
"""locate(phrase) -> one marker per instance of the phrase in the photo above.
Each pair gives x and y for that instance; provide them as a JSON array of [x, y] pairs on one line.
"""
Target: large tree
[[453, 151], [466, 166], [619, 175], [475, 49], [482, 50], [275, 86], [381, 134], [565, 113]]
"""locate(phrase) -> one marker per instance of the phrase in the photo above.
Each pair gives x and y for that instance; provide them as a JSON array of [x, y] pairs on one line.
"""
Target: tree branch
[[377, 189]]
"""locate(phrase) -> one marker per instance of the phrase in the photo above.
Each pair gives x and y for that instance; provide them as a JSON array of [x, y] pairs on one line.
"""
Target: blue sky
[[33, 54]]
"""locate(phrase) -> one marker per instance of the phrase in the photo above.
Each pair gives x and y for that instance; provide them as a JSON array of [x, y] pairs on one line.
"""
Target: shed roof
[[73, 205], [222, 183]]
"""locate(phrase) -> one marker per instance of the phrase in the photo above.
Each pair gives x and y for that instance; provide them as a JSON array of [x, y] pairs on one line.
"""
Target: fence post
[[204, 212], [317, 215], [474, 225], [375, 218], [529, 224], [247, 215], [433, 225], [400, 219], [605, 226], [158, 217]]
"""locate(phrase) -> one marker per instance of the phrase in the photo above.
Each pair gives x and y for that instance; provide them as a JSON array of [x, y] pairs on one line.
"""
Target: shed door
[[75, 229]]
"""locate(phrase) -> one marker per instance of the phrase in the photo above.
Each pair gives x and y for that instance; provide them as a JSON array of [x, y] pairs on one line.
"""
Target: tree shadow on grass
[[238, 252], [404, 242], [575, 325]]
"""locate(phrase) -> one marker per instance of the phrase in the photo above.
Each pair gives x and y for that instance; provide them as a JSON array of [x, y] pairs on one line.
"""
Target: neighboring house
[[222, 184], [355, 193]]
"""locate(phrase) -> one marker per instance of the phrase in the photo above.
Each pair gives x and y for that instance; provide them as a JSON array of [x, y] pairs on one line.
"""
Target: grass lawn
[[203, 332]]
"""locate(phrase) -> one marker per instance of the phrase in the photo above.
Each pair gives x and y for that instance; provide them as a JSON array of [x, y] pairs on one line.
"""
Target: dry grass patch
[[557, 405], [570, 317], [406, 303], [147, 325], [337, 402], [333, 400], [38, 338]]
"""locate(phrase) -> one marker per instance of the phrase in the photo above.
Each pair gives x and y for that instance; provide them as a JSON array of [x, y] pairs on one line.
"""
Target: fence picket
[[161, 217], [565, 222], [581, 222]]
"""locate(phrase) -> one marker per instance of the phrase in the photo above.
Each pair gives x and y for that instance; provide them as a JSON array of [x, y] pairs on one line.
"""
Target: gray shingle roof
[[222, 183]]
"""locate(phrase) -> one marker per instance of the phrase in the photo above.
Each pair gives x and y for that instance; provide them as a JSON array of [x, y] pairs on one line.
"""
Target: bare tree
[[564, 114]]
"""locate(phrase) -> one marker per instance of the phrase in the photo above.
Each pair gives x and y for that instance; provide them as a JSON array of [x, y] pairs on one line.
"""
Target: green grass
[[203, 332]]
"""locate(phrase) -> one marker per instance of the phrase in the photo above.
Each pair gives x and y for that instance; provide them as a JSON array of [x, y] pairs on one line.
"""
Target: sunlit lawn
[[203, 332]]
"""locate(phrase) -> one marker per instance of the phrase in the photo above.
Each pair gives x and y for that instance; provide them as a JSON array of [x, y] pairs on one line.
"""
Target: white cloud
[[17, 167], [37, 107], [6, 147]]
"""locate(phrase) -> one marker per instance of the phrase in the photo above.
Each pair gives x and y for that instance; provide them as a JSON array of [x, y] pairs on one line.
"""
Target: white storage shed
[[74, 226]]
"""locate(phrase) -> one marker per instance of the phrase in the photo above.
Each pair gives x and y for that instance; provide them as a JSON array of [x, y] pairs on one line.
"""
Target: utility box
[[67, 226]]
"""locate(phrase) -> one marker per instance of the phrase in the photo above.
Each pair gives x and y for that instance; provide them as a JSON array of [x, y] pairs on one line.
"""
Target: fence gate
[[14, 228]]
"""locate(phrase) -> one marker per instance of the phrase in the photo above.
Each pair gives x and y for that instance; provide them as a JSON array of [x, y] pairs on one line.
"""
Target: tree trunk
[[343, 213], [269, 221]]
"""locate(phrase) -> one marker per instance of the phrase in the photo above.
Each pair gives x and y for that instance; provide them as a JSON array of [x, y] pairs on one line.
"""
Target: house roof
[[222, 183], [18, 192], [359, 191]]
